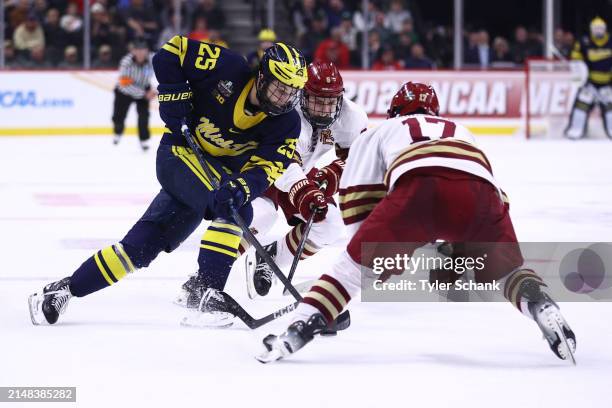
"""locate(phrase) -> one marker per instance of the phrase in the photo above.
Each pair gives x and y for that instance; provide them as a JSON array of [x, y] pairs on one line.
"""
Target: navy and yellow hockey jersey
[[598, 57], [258, 146]]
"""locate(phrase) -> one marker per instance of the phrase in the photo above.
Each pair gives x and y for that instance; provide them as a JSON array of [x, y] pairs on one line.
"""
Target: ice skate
[[298, 334], [116, 139], [259, 275], [145, 145], [573, 134], [45, 308], [211, 310], [555, 329], [187, 296]]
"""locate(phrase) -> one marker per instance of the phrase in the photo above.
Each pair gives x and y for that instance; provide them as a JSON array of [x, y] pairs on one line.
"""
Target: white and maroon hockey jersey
[[313, 144], [381, 155]]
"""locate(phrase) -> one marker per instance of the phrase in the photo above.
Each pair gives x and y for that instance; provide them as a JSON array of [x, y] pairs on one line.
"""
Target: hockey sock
[[104, 268], [289, 245], [328, 296], [218, 251], [524, 286]]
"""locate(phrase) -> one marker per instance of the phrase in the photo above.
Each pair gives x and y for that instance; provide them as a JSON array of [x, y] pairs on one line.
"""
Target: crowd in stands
[[49, 33]]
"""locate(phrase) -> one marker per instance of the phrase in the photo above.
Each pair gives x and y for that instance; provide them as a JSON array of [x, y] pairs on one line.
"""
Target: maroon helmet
[[322, 96], [414, 97]]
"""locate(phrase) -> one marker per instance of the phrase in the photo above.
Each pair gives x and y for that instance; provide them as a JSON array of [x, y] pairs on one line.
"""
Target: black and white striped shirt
[[134, 79]]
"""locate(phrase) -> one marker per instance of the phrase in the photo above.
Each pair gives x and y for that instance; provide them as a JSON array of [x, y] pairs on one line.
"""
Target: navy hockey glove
[[174, 104], [232, 193]]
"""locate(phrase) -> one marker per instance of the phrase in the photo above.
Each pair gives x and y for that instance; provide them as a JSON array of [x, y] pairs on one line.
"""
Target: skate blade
[[269, 356], [34, 305], [209, 320], [249, 271], [569, 350]]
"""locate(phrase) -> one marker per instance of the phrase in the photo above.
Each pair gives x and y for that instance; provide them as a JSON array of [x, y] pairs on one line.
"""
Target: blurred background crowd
[[401, 34]]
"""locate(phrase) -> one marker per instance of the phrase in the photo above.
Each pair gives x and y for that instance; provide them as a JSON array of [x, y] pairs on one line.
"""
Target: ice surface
[[64, 197]]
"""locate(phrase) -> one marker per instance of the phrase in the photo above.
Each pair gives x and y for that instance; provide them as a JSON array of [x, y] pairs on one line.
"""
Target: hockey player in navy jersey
[[247, 127]]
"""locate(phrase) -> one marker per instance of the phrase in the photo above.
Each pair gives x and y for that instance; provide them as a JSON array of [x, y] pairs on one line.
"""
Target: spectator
[[439, 45], [333, 50], [72, 23], [408, 29], [395, 17], [214, 16], [523, 48], [200, 30], [334, 11], [303, 16], [39, 9], [29, 34], [141, 21], [101, 31], [71, 58], [266, 39], [105, 58], [379, 26], [55, 36], [17, 16], [501, 50], [480, 53], [310, 40], [387, 61], [360, 22], [348, 35], [375, 46], [37, 59], [403, 47], [418, 59]]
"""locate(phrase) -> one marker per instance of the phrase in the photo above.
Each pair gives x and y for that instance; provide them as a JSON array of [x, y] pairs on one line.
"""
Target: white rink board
[[64, 197]]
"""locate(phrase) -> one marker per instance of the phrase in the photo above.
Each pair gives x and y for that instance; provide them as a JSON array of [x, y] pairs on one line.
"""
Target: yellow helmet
[[267, 35], [286, 65]]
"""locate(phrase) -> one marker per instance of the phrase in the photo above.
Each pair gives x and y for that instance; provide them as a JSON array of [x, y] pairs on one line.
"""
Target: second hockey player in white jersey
[[329, 122]]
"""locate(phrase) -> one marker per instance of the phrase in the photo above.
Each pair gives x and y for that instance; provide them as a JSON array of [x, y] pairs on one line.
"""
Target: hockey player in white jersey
[[414, 179], [329, 121]]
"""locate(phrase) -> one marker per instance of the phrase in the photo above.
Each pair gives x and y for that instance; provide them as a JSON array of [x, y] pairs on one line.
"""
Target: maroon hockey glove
[[307, 198], [330, 177]]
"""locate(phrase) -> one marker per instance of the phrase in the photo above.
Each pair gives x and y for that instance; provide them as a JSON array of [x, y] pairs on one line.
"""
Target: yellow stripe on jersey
[[358, 195], [241, 119], [273, 169], [177, 46], [227, 226], [351, 212], [183, 154]]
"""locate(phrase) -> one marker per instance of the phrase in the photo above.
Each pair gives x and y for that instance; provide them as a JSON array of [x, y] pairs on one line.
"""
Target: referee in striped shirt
[[135, 72]]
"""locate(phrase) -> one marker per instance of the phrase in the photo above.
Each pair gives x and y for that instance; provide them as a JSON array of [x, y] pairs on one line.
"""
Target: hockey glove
[[330, 176], [232, 193], [307, 198], [174, 104]]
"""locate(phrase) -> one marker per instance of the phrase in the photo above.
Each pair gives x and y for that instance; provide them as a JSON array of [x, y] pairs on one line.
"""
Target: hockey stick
[[250, 237], [250, 321], [300, 249]]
